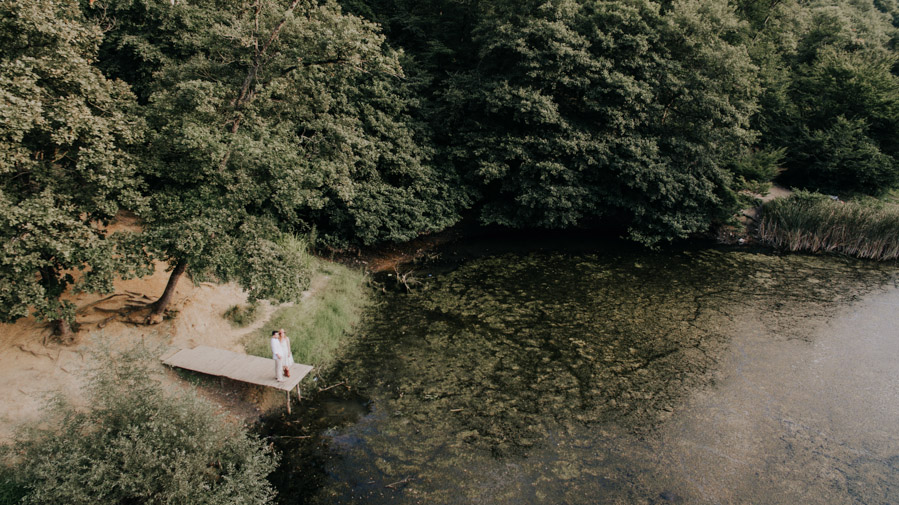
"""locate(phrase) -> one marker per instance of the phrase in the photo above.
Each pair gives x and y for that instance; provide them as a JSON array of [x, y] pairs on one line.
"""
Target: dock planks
[[240, 367]]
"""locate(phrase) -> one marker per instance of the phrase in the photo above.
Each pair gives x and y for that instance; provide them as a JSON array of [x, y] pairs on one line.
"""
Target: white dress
[[285, 344]]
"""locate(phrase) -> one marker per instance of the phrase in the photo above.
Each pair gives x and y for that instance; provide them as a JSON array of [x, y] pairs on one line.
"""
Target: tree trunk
[[160, 305], [55, 285], [63, 331]]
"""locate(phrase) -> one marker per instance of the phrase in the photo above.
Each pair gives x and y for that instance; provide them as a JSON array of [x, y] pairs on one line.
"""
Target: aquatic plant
[[814, 222], [544, 377]]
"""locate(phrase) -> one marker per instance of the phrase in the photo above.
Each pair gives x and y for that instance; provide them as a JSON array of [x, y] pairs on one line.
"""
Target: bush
[[841, 129], [10, 492], [759, 166], [847, 159], [279, 269], [137, 443], [242, 315]]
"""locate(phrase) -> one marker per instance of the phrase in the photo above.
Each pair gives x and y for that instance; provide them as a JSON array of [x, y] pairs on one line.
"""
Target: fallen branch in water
[[406, 279], [333, 386], [399, 483]]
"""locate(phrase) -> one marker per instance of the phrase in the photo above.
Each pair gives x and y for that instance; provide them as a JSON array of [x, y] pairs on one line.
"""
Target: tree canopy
[[560, 113], [66, 134], [229, 128], [272, 127], [829, 89]]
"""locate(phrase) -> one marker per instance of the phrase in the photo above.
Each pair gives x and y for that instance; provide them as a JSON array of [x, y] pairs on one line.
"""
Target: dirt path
[[750, 216], [776, 192]]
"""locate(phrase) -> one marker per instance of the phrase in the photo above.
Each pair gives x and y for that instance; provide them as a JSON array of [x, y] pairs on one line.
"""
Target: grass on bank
[[317, 324], [817, 223]]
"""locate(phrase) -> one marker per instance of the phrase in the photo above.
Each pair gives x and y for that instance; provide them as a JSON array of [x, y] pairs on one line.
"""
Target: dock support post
[[288, 402]]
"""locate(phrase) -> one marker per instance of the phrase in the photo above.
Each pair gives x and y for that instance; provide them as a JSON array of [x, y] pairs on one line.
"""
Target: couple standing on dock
[[281, 353]]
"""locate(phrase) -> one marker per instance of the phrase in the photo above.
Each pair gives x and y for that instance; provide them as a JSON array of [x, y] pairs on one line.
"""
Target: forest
[[231, 128]]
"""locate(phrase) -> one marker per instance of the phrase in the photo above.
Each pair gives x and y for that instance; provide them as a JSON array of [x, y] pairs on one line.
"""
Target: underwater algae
[[522, 378]]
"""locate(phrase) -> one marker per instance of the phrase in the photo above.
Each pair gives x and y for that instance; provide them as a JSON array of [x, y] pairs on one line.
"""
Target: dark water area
[[576, 372]]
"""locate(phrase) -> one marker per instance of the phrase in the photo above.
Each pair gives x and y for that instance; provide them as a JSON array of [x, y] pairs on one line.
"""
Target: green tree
[[137, 443], [829, 99], [290, 117], [849, 103], [143, 37], [65, 133], [578, 111]]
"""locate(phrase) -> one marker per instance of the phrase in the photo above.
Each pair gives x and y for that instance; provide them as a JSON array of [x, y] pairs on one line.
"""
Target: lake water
[[604, 373]]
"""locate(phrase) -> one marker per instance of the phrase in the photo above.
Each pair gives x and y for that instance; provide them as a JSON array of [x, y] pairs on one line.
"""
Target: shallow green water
[[581, 377]]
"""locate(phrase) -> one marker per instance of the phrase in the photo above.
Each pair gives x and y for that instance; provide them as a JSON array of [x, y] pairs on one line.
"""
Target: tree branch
[[246, 94]]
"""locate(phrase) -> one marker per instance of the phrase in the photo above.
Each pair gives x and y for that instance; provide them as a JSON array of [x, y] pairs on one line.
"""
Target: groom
[[278, 355]]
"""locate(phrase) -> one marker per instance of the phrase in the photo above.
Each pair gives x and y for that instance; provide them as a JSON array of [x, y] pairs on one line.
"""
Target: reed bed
[[816, 223]]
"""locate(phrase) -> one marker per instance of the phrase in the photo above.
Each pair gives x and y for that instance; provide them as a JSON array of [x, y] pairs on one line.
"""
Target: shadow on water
[[517, 372], [305, 441]]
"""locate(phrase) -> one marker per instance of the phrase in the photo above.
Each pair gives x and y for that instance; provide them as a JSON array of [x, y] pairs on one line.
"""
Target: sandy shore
[[32, 367]]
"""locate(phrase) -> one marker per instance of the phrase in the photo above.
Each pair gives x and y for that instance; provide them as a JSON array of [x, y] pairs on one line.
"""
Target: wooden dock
[[239, 367]]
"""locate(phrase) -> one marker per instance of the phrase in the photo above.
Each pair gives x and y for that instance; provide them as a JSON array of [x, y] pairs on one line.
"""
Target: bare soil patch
[[33, 367]]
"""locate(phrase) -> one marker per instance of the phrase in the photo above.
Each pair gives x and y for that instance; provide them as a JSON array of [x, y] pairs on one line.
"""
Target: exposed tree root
[[83, 309], [36, 354], [131, 308]]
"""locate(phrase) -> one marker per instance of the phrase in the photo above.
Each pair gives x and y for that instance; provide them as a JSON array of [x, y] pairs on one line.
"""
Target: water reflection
[[553, 377]]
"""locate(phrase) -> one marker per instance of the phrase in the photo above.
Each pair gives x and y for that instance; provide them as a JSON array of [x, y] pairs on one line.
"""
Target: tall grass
[[317, 324], [815, 223]]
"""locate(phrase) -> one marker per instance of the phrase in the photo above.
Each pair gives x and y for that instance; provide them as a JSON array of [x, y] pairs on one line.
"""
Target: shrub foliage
[[138, 443]]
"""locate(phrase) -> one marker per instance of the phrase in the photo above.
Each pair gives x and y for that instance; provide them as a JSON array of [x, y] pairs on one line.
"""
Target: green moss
[[318, 323]]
